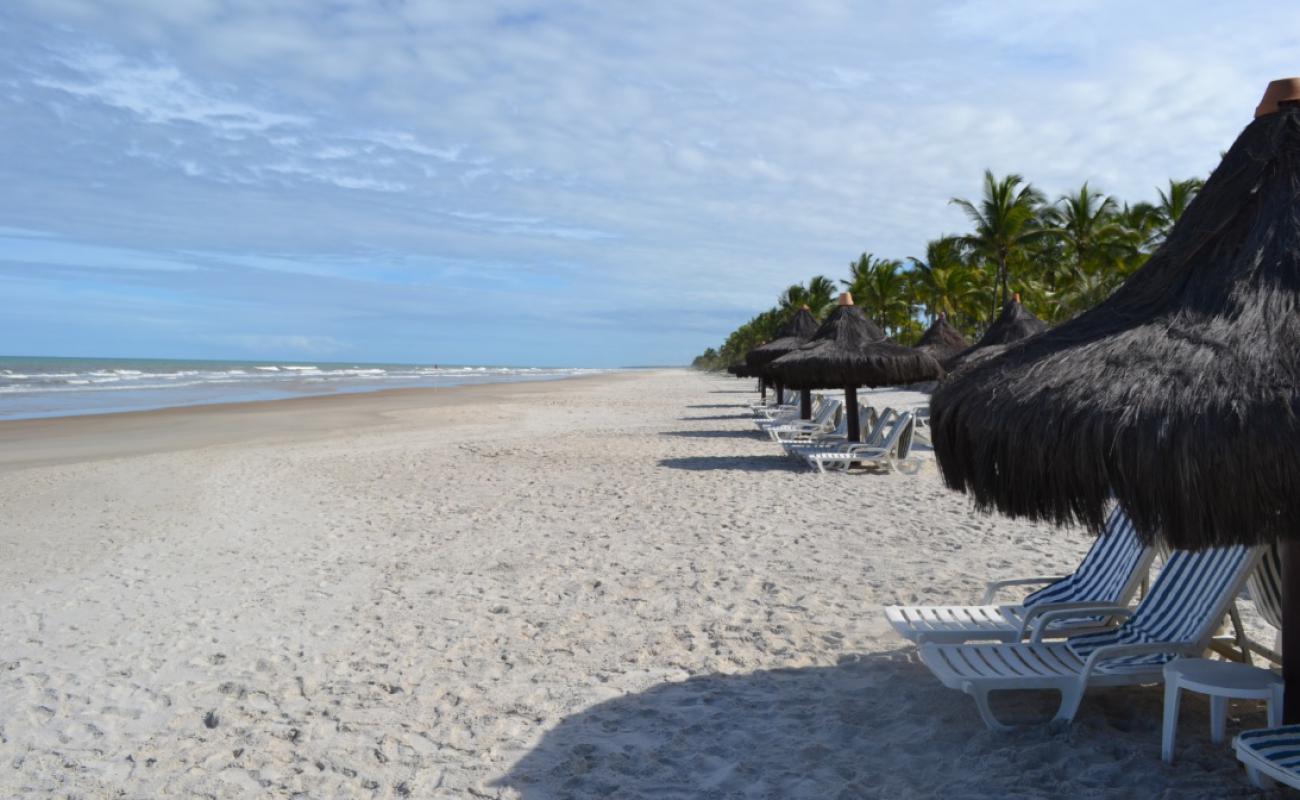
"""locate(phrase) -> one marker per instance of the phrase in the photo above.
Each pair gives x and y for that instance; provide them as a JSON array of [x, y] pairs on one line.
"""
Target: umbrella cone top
[[796, 330], [851, 350], [1178, 396], [942, 340], [1015, 323]]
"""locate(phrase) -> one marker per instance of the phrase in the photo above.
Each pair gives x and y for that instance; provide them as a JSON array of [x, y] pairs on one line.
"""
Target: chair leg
[[1070, 699], [1170, 727], [1239, 633], [1218, 718], [981, 697], [1258, 779]]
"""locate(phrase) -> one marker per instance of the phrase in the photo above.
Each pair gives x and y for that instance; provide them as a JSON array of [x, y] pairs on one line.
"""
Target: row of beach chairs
[[822, 443], [1083, 630]]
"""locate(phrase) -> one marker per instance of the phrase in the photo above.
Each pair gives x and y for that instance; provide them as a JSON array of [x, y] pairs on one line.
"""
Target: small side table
[[1220, 680]]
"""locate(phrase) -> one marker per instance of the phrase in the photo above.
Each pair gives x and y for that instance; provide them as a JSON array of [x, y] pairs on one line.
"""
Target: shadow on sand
[[716, 417], [716, 405], [782, 463], [755, 434], [872, 726]]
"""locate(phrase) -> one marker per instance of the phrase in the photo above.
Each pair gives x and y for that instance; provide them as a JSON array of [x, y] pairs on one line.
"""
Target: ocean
[[32, 387]]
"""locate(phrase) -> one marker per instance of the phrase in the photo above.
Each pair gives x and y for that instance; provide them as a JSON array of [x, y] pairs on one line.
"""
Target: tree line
[[1062, 256]]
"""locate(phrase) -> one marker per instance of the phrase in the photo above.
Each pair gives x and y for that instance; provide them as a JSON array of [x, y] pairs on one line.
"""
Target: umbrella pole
[[762, 387], [1290, 551], [805, 404], [851, 408], [780, 393]]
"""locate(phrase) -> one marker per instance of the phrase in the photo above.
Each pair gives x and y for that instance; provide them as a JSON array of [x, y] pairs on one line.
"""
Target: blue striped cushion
[[1187, 590], [1266, 586], [1278, 746], [1105, 570]]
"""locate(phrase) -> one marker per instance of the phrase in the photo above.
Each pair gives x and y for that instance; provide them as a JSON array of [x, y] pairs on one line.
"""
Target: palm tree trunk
[[1002, 275]]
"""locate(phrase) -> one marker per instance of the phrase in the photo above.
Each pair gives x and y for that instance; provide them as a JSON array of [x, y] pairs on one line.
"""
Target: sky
[[556, 183]]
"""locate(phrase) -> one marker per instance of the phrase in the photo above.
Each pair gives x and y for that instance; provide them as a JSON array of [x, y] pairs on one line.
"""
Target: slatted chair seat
[[1109, 574], [1178, 617]]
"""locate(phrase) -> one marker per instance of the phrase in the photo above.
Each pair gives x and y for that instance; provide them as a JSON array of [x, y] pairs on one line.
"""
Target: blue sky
[[560, 183]]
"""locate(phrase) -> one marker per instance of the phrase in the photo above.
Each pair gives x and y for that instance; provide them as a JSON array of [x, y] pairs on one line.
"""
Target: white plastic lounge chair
[[891, 449], [1108, 575], [822, 421], [875, 434], [777, 415], [1270, 754], [788, 402], [1179, 617], [798, 445]]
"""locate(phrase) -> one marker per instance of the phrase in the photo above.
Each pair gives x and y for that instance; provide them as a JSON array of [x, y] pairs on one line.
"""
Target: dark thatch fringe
[[1178, 396], [797, 330], [741, 370], [942, 341]]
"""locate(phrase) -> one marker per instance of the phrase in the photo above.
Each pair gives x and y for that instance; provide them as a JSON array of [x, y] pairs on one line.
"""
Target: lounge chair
[[892, 448], [875, 434], [1109, 574], [829, 440], [1270, 754], [822, 421], [1179, 617]]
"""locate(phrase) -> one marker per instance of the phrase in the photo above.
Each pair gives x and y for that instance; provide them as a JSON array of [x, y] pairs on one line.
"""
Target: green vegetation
[[1062, 257]]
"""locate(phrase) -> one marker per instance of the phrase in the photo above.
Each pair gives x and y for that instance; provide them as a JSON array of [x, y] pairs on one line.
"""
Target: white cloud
[[158, 93]]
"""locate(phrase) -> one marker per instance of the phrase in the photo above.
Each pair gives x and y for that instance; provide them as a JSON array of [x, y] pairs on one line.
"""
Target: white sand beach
[[596, 587]]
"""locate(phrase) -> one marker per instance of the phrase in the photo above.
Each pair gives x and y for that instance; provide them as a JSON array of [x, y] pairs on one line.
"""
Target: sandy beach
[[595, 587]]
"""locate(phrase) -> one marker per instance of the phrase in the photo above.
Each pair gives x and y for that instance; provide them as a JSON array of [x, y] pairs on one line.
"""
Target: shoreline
[[76, 438]]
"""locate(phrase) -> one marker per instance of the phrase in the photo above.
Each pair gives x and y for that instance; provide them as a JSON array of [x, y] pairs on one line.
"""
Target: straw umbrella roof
[[851, 350], [1015, 323], [942, 340], [789, 336], [741, 370], [1178, 396]]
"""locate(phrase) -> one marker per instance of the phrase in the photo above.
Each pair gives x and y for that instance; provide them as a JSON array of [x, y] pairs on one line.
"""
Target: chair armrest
[[991, 588], [1120, 650], [1065, 611]]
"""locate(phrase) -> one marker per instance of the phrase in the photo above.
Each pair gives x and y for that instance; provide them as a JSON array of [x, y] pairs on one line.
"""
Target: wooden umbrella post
[[851, 408], [1290, 552], [805, 404]]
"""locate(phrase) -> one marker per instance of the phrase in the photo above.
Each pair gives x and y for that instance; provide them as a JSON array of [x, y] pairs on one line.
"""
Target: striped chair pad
[[1176, 611]]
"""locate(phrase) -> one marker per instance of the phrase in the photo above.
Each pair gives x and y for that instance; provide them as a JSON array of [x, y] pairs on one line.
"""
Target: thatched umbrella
[[789, 336], [1178, 396], [1015, 323], [942, 341], [849, 351]]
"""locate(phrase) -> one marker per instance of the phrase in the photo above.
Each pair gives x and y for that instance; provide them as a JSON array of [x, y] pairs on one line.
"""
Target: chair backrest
[[900, 425], [1109, 574], [881, 427], [905, 437], [1265, 586], [826, 411], [1185, 605]]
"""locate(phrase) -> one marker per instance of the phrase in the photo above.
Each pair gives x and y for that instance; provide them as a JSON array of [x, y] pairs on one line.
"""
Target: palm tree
[[1180, 196], [1005, 222], [1096, 241], [881, 287], [945, 283], [817, 295]]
